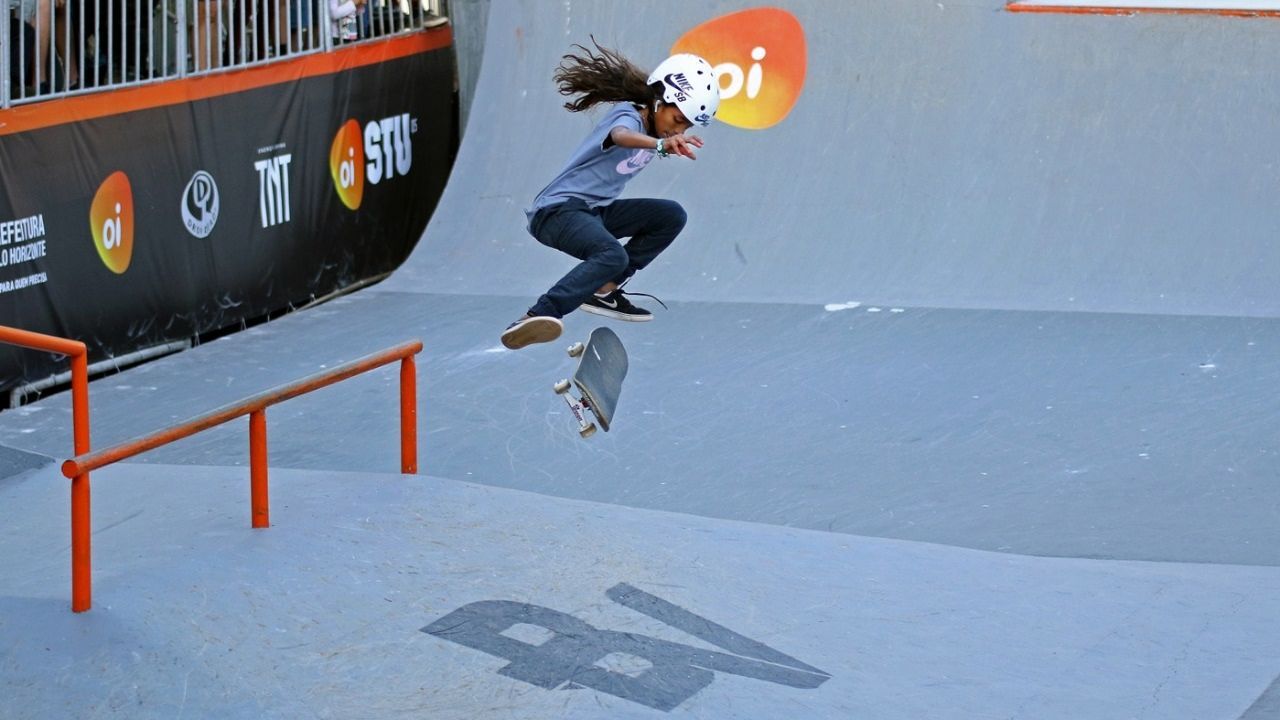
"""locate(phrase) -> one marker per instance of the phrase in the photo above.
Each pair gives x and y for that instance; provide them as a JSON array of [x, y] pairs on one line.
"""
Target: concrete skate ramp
[[942, 154], [15, 462]]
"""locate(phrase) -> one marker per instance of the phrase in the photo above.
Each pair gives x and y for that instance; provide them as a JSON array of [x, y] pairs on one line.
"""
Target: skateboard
[[602, 365]]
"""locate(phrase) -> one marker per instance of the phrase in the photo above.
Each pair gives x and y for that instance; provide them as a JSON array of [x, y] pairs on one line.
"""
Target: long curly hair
[[603, 76]]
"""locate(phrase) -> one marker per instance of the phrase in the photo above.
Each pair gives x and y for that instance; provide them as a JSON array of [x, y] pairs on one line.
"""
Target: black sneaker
[[616, 305], [531, 329]]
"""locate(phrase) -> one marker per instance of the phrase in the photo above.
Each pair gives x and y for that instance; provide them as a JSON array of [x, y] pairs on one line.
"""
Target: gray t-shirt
[[595, 173]]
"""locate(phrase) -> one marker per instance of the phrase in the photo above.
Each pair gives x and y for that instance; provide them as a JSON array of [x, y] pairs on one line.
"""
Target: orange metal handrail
[[79, 355], [255, 407]]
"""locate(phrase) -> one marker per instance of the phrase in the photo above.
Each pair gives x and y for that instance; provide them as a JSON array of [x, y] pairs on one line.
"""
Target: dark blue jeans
[[593, 236]]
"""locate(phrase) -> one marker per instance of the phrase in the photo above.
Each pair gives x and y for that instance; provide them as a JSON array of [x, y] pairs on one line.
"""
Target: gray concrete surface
[[1066, 434], [386, 596]]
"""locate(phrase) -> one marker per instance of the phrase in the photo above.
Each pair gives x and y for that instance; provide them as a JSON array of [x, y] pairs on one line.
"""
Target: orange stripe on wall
[[1096, 10], [174, 92]]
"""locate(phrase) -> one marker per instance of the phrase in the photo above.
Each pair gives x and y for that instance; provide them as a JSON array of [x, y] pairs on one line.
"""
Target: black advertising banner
[[286, 183]]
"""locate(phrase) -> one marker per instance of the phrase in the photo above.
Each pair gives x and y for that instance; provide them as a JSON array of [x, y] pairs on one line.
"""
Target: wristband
[[661, 150]]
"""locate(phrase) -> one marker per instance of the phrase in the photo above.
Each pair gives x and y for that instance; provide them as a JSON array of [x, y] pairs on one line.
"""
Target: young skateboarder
[[579, 212]]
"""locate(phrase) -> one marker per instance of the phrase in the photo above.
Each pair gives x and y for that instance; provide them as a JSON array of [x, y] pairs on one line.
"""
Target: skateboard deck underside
[[600, 374]]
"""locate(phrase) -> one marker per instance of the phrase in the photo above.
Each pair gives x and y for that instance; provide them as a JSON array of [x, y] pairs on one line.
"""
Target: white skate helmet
[[689, 83]]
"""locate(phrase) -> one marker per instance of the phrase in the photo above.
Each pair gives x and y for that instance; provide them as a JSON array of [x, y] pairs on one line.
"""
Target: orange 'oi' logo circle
[[759, 56], [346, 164], [111, 222]]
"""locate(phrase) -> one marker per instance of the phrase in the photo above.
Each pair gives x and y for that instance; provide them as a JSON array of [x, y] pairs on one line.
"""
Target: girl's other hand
[[683, 145]]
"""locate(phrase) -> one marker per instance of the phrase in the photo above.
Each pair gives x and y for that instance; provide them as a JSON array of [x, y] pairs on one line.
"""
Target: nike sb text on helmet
[[689, 83]]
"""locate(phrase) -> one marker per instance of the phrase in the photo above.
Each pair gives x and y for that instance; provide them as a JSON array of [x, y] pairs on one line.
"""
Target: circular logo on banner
[[200, 204], [759, 56], [346, 164], [111, 222]]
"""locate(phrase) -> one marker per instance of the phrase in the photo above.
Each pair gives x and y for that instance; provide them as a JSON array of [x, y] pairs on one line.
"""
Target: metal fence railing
[[56, 48]]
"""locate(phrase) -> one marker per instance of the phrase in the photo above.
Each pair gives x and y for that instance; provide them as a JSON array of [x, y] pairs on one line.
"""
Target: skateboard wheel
[[561, 387], [588, 431], [576, 349]]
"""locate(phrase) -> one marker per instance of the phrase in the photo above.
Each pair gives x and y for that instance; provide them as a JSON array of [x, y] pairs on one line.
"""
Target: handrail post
[[81, 527], [408, 416], [258, 492], [81, 524]]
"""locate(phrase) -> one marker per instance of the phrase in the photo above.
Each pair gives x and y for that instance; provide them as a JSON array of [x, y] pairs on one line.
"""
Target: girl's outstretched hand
[[683, 145]]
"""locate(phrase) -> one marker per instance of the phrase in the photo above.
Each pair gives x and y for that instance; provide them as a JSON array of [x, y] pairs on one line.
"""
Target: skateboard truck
[[577, 405]]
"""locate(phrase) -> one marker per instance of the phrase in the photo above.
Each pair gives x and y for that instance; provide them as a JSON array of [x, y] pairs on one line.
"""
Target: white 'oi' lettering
[[347, 169], [753, 79], [111, 231]]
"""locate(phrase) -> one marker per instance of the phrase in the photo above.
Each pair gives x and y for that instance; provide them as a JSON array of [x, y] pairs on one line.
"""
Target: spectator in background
[[22, 45], [204, 32], [106, 32], [342, 20], [66, 22], [122, 46], [303, 35], [270, 26], [46, 19]]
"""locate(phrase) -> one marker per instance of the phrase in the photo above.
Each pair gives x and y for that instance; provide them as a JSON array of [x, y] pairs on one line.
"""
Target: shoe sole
[[532, 332], [614, 314]]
